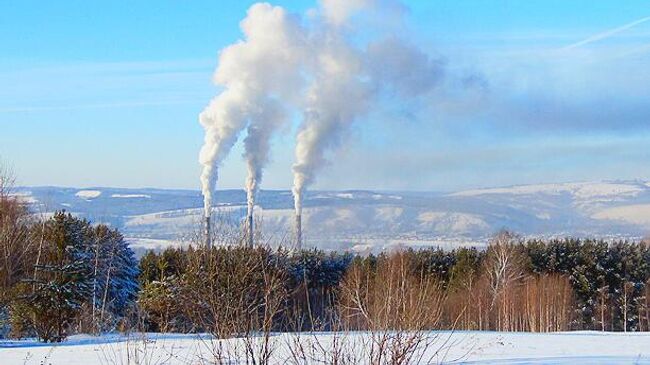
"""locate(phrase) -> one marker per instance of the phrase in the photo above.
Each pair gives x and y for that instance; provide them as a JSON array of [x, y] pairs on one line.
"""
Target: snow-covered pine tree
[[63, 278], [115, 276]]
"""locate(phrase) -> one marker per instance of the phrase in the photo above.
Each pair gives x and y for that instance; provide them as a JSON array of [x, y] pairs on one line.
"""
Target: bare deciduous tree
[[16, 249], [236, 293], [397, 305]]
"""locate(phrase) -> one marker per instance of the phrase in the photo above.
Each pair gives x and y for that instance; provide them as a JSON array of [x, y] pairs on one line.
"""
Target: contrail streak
[[607, 34]]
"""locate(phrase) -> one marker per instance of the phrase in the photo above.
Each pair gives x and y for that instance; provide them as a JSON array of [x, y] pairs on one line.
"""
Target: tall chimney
[[208, 233], [249, 228], [298, 231]]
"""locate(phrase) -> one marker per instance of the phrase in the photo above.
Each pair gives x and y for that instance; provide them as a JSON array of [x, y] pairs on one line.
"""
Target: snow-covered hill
[[363, 220]]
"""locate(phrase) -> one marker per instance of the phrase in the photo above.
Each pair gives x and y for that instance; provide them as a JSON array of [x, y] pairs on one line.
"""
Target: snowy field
[[451, 348]]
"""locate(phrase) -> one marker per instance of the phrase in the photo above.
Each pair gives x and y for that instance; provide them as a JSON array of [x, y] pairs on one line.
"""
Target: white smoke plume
[[257, 143], [263, 64], [347, 77], [317, 65], [338, 95], [402, 67]]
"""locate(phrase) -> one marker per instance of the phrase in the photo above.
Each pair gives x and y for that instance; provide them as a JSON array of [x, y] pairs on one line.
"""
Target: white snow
[[379, 196], [451, 222], [88, 194], [151, 243], [459, 347], [131, 196], [429, 217], [388, 213], [25, 197], [174, 218], [587, 190], [342, 216], [362, 248], [635, 214], [593, 190], [345, 196], [519, 190]]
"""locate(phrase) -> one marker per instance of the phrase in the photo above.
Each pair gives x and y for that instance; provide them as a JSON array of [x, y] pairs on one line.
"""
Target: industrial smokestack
[[298, 231], [208, 232], [249, 226]]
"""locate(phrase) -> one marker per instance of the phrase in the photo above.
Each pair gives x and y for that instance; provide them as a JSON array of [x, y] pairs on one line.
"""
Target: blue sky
[[107, 94]]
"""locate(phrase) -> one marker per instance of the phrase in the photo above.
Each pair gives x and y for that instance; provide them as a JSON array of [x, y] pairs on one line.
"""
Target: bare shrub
[[236, 292], [396, 305]]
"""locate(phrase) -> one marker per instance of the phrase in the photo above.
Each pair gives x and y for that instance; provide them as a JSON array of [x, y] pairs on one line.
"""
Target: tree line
[[61, 275], [512, 285]]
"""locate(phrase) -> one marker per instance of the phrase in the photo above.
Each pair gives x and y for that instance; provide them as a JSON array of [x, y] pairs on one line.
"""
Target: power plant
[[285, 63]]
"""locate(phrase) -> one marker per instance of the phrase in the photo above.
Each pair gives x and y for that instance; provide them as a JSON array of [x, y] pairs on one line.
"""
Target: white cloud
[[339, 11]]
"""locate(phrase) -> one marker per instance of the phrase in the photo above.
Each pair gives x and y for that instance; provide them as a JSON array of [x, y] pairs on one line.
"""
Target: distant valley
[[368, 220]]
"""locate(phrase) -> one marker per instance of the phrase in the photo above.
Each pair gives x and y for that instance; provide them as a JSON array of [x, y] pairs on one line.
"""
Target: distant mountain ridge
[[371, 220]]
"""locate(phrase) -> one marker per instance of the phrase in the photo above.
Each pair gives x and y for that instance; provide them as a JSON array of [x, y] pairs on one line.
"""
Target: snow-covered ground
[[452, 348], [88, 194]]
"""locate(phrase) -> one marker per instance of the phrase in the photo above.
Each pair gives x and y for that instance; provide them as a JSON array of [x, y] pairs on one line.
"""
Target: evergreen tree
[[434, 261], [64, 277], [464, 271], [115, 273]]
